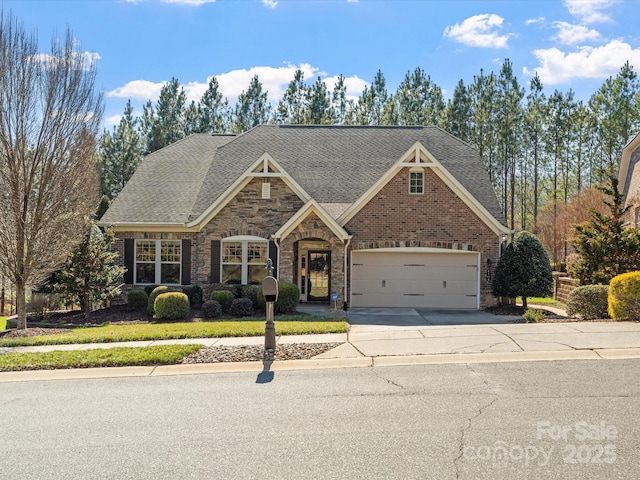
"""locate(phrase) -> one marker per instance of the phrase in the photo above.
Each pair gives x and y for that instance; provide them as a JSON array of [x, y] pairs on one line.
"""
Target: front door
[[318, 281]]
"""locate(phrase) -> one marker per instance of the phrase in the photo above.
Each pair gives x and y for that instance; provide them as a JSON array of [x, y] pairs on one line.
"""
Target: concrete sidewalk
[[377, 339]]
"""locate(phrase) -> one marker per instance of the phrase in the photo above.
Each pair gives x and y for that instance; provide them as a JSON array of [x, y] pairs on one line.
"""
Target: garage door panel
[[410, 279]]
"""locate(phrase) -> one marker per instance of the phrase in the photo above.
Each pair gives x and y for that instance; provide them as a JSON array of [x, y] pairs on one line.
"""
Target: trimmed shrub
[[533, 316], [194, 292], [624, 296], [228, 287], [588, 302], [152, 298], [250, 292], [211, 309], [523, 270], [150, 288], [224, 298], [137, 300], [288, 297], [171, 306], [241, 307]]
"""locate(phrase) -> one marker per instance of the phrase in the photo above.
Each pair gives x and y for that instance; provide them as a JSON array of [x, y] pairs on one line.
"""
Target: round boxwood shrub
[[211, 309], [624, 296], [241, 307], [137, 300], [224, 298], [288, 297], [194, 292], [588, 302], [152, 298], [250, 292], [171, 306]]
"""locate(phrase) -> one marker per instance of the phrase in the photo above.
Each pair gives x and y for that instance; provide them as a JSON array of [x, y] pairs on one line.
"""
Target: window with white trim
[[158, 262], [416, 182], [244, 260]]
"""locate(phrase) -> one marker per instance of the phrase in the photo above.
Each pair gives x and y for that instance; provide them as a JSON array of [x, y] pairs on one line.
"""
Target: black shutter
[[129, 253], [186, 261], [273, 255], [215, 261]]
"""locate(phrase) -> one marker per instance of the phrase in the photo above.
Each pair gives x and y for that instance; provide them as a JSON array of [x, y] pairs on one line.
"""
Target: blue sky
[[139, 45]]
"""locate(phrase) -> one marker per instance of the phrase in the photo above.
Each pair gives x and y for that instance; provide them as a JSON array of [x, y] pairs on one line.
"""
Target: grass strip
[[98, 357], [166, 331]]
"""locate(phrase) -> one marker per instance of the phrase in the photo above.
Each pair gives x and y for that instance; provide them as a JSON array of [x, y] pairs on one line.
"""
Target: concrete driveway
[[411, 317]]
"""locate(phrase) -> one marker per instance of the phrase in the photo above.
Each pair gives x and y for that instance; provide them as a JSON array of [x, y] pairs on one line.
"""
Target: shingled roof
[[333, 164]]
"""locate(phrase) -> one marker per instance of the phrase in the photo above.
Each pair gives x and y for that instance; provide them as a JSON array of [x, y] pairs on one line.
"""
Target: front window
[[244, 260], [416, 182], [158, 262]]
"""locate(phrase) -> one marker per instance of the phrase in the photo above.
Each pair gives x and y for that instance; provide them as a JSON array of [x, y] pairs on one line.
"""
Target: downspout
[[275, 241], [346, 248]]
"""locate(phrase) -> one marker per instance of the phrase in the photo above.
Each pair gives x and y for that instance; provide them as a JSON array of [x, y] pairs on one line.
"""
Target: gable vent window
[[266, 190], [416, 182]]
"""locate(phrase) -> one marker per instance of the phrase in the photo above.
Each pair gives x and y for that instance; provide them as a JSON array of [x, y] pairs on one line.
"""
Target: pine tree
[[164, 123], [292, 109], [534, 123], [420, 101], [252, 108], [340, 103], [457, 116], [213, 110], [606, 248], [90, 275], [319, 111], [119, 154]]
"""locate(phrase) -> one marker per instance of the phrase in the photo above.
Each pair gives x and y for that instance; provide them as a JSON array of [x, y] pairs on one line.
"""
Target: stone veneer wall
[[437, 219], [246, 214]]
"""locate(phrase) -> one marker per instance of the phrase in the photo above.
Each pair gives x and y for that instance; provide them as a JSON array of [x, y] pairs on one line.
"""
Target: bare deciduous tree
[[50, 114]]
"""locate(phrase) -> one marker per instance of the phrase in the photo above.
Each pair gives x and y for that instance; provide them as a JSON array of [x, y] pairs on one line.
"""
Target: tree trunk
[[524, 302], [21, 306]]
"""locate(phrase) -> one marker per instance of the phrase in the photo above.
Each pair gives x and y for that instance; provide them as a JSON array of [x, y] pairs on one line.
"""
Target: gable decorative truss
[[311, 207], [419, 157], [263, 167], [625, 162]]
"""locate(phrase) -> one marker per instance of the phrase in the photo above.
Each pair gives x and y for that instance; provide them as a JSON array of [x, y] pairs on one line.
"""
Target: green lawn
[[164, 331], [99, 357], [543, 301]]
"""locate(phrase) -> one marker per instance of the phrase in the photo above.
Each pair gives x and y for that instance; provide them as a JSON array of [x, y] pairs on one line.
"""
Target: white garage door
[[415, 278]]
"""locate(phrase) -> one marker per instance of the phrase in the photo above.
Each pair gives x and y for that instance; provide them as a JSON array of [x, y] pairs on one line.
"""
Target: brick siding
[[437, 218]]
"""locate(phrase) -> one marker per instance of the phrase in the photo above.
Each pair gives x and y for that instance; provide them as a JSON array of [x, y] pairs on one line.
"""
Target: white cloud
[[479, 31], [270, 3], [231, 84], [86, 59], [569, 34], [138, 90], [112, 121], [533, 21], [590, 11], [587, 62]]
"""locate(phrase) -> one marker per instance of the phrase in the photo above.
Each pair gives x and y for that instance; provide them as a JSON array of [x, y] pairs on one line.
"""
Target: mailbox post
[[270, 292]]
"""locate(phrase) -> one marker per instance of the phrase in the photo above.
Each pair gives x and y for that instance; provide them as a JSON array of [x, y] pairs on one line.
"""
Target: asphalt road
[[538, 420]]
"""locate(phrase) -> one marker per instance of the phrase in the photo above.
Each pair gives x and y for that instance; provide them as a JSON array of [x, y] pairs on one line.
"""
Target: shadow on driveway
[[407, 317]]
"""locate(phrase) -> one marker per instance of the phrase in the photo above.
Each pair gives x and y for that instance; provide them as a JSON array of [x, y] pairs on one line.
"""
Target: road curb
[[317, 364]]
